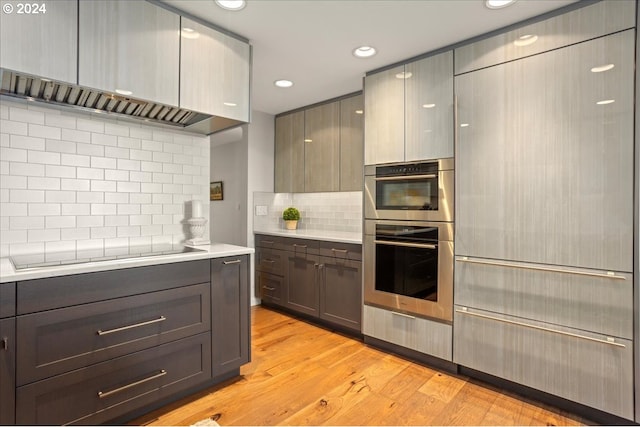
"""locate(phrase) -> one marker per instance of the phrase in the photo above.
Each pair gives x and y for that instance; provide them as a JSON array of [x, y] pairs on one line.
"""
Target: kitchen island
[[106, 341]]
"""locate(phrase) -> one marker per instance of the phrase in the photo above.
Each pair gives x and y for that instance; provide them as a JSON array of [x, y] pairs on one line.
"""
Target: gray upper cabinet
[[429, 108], [544, 161], [322, 148], [602, 18], [221, 63], [289, 153], [384, 110], [43, 44], [129, 47], [351, 143]]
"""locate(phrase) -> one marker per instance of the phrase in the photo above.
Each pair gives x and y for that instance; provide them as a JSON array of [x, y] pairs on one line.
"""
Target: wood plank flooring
[[301, 374]]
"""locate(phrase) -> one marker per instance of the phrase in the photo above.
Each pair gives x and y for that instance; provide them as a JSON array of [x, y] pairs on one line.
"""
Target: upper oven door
[[418, 192]]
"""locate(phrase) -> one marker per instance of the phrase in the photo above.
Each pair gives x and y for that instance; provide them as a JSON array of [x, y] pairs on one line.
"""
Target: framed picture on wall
[[215, 190]]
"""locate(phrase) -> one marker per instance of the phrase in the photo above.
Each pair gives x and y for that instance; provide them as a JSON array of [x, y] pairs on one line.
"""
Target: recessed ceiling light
[[404, 75], [283, 83], [124, 92], [498, 4], [364, 51], [606, 101], [602, 68], [231, 4], [428, 105], [526, 40]]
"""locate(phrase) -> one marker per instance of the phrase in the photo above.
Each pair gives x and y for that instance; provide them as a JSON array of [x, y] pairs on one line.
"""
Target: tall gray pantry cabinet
[[544, 206]]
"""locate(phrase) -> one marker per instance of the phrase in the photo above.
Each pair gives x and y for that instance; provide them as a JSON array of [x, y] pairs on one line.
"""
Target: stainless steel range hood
[[30, 88]]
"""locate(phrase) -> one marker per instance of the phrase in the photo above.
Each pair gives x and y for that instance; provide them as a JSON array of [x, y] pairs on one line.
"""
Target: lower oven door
[[409, 275]]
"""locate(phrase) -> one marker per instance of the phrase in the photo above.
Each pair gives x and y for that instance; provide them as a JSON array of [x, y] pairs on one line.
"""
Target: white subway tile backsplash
[[91, 181], [67, 221], [48, 132], [26, 196], [60, 171], [25, 169], [58, 120], [38, 183], [60, 250], [75, 160], [14, 128], [74, 184], [17, 114], [89, 173], [76, 135], [13, 154]]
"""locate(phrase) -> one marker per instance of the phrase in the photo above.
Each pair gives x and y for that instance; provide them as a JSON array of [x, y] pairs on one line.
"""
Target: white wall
[[228, 217], [73, 181]]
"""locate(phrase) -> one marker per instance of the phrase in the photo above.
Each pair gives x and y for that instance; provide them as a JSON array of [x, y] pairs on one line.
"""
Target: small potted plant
[[291, 217]]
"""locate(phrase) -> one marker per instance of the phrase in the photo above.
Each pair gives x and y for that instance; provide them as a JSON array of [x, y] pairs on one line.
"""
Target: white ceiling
[[310, 41]]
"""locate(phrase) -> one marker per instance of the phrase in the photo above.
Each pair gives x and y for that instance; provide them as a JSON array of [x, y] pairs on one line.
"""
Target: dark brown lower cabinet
[[7, 371], [302, 283], [341, 292], [230, 313], [270, 287], [100, 392]]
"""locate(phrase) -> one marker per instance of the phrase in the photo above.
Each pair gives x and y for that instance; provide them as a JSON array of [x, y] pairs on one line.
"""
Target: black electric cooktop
[[54, 259]]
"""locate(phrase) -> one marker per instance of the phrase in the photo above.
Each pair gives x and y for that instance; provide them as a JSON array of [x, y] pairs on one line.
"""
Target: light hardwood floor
[[301, 374]]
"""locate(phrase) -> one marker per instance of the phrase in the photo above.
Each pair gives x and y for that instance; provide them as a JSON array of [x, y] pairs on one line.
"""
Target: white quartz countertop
[[325, 235], [214, 250]]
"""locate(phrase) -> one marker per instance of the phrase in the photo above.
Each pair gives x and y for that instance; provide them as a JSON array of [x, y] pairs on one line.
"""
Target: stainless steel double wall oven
[[408, 238]]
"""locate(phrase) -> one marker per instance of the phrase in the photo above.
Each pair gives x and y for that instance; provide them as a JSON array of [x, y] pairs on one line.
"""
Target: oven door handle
[[406, 245], [406, 177]]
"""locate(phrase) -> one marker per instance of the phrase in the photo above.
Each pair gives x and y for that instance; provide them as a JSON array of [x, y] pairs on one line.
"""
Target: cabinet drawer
[[65, 291], [573, 364], [270, 242], [341, 250], [302, 246], [57, 341], [270, 288], [418, 334], [584, 299], [7, 299], [270, 260], [110, 389]]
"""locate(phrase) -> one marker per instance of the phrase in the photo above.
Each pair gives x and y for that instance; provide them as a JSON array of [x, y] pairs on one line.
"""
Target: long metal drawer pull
[[541, 328], [607, 275], [300, 246], [344, 251], [268, 288], [403, 315], [270, 261], [137, 325], [235, 261], [268, 242], [406, 245], [102, 395], [404, 178]]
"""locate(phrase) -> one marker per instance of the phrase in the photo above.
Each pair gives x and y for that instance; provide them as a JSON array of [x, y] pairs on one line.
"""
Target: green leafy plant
[[291, 214]]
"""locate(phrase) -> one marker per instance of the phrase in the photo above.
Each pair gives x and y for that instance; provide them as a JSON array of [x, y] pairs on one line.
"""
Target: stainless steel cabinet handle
[[344, 251], [5, 343], [235, 261], [406, 245], [300, 246], [404, 178], [268, 242], [137, 325], [268, 288], [609, 340], [607, 275], [402, 315], [269, 261], [104, 394]]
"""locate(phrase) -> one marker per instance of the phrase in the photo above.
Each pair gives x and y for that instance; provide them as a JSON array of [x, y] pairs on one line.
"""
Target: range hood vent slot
[[33, 88]]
